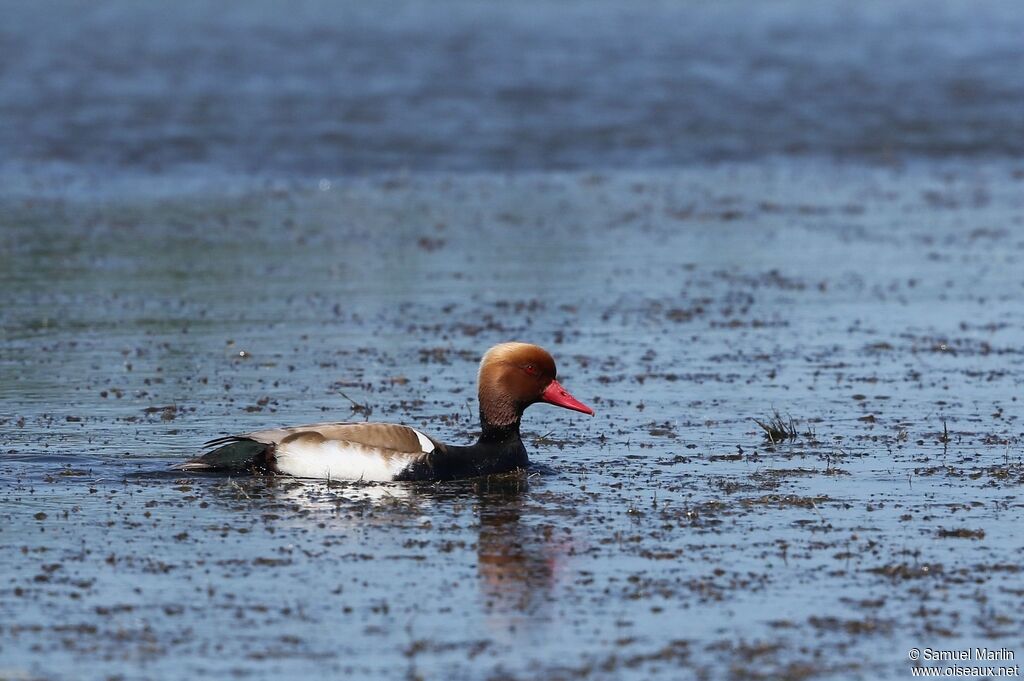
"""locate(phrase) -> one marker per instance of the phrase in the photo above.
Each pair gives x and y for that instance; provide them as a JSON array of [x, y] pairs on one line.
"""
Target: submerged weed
[[778, 429]]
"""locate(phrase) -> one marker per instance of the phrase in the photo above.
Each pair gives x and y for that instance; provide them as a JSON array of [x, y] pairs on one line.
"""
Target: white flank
[[338, 460]]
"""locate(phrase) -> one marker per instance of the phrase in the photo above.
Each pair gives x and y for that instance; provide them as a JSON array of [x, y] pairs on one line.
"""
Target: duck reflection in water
[[520, 547], [518, 562]]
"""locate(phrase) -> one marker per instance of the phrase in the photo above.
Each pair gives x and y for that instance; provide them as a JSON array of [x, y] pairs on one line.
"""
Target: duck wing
[[336, 451]]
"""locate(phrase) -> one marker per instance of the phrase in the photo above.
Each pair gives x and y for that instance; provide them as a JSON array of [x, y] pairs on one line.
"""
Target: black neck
[[491, 434], [499, 450]]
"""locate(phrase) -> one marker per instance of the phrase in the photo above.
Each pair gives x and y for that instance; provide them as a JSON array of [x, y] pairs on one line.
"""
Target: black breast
[[453, 463]]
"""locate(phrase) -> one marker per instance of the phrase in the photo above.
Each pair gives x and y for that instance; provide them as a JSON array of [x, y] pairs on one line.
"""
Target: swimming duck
[[512, 377]]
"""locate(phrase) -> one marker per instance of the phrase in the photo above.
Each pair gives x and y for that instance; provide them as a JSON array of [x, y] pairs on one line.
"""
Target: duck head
[[515, 375]]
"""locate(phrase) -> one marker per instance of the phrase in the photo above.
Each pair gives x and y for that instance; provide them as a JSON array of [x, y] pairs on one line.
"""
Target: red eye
[[530, 369]]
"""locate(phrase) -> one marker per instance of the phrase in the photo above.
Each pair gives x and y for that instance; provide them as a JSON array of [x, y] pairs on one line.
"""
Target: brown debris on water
[[960, 533], [904, 571]]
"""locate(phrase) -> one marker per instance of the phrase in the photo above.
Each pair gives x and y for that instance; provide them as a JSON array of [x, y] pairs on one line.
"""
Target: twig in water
[[358, 408]]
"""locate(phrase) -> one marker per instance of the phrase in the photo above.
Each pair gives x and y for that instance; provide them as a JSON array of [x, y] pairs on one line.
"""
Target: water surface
[[218, 218], [876, 307]]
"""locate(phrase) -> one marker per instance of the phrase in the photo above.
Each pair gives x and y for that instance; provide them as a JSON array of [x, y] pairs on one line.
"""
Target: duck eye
[[530, 369]]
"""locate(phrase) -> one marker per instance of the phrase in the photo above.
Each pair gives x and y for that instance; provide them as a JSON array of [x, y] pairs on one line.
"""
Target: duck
[[512, 376]]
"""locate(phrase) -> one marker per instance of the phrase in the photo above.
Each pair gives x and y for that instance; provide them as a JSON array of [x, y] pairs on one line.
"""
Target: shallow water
[[324, 87], [215, 219], [875, 306]]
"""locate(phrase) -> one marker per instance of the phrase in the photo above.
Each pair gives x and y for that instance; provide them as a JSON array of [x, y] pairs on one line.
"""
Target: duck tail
[[232, 454]]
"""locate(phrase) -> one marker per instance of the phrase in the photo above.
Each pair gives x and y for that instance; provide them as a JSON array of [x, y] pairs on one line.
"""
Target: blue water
[[325, 88], [220, 217]]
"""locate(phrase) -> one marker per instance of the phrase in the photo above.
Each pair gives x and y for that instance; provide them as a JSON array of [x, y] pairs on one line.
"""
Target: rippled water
[[322, 87], [220, 218], [878, 308]]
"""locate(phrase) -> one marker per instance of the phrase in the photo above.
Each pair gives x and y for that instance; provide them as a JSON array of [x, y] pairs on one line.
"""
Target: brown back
[[377, 435]]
